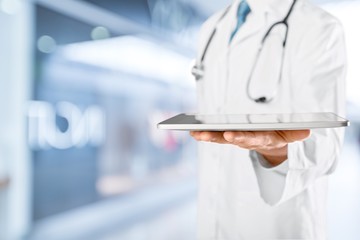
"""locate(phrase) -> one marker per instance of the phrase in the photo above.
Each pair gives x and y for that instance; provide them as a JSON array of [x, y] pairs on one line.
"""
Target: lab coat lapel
[[253, 25], [261, 13]]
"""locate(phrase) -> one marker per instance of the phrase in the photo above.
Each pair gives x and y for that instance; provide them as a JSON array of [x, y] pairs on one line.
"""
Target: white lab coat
[[240, 197]]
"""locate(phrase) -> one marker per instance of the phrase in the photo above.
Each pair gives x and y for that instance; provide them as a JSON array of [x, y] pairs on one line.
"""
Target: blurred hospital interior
[[83, 84]]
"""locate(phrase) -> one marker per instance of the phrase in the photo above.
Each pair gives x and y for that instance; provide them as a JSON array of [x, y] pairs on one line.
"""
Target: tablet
[[253, 122]]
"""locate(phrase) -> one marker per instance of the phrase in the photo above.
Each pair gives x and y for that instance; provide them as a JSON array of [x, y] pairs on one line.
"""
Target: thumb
[[294, 135]]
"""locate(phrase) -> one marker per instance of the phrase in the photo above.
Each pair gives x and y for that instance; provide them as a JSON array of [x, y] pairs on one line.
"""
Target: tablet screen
[[264, 118], [253, 122]]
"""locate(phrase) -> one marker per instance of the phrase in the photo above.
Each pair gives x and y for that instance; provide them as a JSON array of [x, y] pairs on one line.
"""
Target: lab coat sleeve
[[271, 179], [318, 86]]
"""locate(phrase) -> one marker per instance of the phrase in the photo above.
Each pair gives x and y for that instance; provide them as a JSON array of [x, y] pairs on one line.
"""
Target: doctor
[[268, 56]]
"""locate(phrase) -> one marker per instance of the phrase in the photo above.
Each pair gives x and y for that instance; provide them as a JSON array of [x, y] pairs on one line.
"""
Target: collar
[[278, 8]]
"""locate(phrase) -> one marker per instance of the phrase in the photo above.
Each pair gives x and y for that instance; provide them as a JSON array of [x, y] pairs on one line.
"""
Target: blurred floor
[[159, 212], [176, 224]]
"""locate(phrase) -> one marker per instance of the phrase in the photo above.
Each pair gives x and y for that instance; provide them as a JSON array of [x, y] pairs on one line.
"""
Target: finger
[[216, 137], [233, 136], [193, 133], [294, 135], [248, 140], [196, 135], [255, 140]]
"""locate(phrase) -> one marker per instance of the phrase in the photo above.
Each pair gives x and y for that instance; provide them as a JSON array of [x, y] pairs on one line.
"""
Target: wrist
[[275, 156]]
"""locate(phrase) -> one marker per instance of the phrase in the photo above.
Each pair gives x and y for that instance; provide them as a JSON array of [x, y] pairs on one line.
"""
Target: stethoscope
[[198, 69]]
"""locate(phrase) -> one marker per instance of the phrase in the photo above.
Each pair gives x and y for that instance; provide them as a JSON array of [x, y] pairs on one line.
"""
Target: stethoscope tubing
[[198, 69]]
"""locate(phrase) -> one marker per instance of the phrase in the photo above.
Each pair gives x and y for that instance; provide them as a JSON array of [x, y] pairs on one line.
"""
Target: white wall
[[344, 191], [15, 81], [348, 14]]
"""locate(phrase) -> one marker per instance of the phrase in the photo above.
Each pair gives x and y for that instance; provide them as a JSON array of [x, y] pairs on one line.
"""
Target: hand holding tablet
[[271, 144], [268, 134]]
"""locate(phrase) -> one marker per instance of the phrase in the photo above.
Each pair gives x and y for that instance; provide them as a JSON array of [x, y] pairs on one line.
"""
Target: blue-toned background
[[82, 86]]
